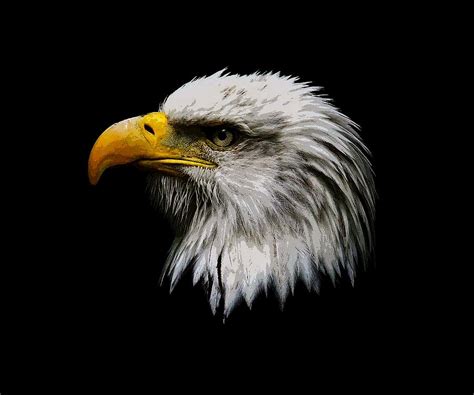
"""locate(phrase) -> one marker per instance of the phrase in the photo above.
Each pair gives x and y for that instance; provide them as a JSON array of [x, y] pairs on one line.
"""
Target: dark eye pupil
[[222, 135]]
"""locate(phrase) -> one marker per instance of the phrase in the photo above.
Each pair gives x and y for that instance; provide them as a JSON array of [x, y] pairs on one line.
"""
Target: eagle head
[[265, 182]]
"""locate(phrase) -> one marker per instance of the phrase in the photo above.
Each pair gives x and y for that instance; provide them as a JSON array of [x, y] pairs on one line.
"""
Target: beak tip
[[94, 177], [93, 180], [93, 173]]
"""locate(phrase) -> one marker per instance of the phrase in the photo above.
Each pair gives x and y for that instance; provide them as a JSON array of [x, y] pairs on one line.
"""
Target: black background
[[81, 299]]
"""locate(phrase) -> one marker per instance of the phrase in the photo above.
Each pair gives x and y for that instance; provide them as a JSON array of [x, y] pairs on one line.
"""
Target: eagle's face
[[265, 182]]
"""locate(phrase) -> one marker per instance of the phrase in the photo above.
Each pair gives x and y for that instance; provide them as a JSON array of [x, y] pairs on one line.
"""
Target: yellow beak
[[146, 141]]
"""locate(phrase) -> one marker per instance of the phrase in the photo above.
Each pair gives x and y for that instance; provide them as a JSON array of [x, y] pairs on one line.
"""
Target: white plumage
[[294, 200]]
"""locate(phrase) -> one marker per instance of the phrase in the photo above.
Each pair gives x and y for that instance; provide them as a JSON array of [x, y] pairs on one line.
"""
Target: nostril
[[149, 129]]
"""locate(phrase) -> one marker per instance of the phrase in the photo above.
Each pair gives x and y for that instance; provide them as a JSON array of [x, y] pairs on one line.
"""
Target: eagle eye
[[222, 137]]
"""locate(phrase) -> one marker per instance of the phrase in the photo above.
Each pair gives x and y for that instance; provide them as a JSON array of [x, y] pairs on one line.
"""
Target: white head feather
[[293, 201]]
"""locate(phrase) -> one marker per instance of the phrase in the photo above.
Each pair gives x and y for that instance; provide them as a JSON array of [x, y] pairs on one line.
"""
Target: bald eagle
[[265, 182]]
